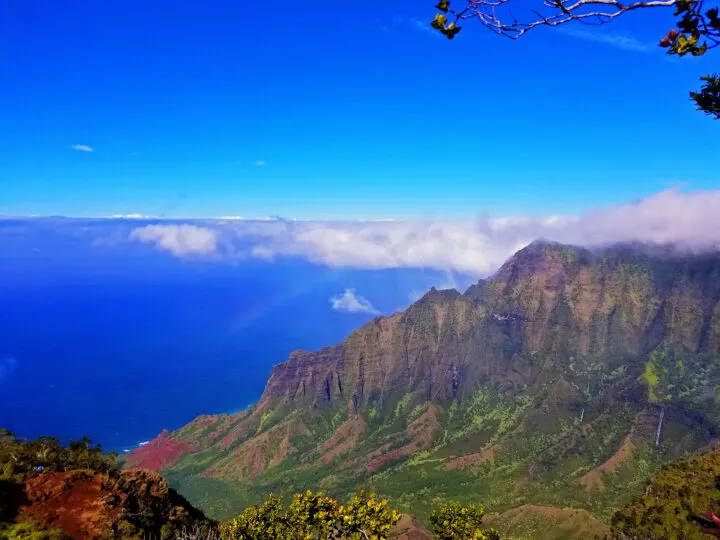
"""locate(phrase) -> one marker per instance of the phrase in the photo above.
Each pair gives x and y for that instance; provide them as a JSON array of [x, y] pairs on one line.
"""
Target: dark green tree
[[19, 458], [698, 28]]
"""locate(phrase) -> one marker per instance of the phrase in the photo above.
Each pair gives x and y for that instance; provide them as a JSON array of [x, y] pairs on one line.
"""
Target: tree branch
[[586, 11]]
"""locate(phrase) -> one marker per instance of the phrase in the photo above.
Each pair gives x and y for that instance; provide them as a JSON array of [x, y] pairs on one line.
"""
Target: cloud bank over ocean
[[688, 219], [178, 239]]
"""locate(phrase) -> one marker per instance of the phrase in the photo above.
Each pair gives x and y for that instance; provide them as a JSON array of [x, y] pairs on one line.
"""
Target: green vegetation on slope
[[679, 490], [543, 385]]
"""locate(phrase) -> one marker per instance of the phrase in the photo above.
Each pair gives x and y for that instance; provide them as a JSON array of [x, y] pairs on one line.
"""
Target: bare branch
[[564, 11]]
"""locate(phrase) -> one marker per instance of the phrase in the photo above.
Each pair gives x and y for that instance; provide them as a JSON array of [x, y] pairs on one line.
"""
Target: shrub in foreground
[[312, 516], [452, 521]]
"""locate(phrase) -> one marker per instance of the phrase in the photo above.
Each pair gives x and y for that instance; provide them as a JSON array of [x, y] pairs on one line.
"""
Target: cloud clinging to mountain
[[481, 246], [689, 219]]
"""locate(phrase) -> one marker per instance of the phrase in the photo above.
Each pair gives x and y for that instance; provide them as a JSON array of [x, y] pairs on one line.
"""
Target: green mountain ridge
[[542, 385]]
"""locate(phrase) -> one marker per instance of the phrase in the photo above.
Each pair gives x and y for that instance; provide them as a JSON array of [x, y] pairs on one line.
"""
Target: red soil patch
[[204, 420], [593, 479], [241, 431], [221, 426], [421, 432], [159, 453], [464, 462], [363, 460], [262, 452], [343, 440], [74, 502]]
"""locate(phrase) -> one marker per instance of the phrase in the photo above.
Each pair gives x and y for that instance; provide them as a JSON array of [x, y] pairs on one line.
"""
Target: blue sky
[[333, 110]]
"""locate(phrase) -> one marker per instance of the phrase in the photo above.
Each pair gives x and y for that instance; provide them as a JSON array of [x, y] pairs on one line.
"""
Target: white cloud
[[243, 218], [260, 163], [7, 366], [689, 219], [460, 246], [129, 216], [82, 147], [179, 240], [352, 303], [401, 21], [624, 43], [423, 26]]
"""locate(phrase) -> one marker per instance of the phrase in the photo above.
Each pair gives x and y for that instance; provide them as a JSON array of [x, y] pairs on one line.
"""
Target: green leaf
[[699, 51], [443, 5], [708, 98], [437, 26]]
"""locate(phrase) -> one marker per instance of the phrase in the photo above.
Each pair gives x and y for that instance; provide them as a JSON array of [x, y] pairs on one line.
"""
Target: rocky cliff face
[[416, 351], [513, 391], [551, 311]]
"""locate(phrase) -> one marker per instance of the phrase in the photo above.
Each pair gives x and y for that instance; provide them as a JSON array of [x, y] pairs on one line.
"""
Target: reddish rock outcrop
[[87, 505], [464, 462]]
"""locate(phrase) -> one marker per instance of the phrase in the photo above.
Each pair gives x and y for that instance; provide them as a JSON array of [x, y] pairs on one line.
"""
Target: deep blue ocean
[[119, 341]]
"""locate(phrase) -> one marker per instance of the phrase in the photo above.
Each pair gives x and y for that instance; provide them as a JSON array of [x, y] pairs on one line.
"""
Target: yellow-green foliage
[[313, 516], [367, 516], [373, 413], [417, 412], [452, 521], [257, 522], [652, 378], [28, 530], [679, 490], [486, 407], [337, 419], [402, 404], [452, 411], [677, 374], [264, 419]]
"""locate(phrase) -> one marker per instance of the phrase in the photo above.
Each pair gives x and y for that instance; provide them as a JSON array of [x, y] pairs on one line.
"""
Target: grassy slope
[[530, 522]]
